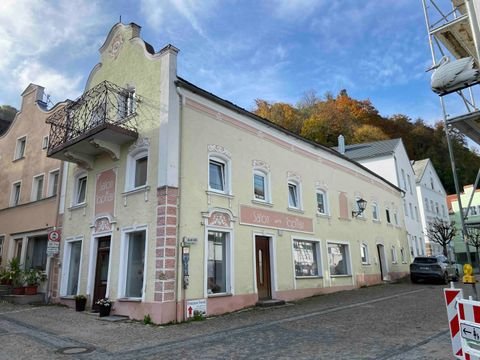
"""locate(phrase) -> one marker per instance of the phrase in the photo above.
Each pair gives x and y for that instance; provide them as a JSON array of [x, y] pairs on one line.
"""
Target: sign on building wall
[[273, 219], [196, 307], [105, 193], [53, 244]]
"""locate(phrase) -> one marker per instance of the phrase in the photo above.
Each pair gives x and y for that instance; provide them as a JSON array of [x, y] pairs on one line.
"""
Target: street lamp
[[361, 206]]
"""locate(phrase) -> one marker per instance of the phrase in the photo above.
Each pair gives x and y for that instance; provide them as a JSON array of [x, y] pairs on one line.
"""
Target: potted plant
[[33, 278], [104, 306], [80, 302], [5, 277], [16, 276]]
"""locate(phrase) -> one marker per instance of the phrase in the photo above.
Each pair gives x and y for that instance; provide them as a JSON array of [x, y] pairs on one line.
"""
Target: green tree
[[7, 112]]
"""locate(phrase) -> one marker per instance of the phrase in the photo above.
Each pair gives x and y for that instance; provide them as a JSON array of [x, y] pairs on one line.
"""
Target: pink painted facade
[[30, 187]]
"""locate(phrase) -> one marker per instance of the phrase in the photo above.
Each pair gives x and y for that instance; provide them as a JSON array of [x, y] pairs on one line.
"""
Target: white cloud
[[165, 14], [46, 35], [61, 86]]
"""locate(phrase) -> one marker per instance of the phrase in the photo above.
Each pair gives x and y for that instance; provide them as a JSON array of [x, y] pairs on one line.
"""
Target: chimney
[[341, 144]]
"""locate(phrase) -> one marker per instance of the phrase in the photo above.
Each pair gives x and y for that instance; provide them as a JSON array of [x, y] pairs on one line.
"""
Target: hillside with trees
[[323, 119]]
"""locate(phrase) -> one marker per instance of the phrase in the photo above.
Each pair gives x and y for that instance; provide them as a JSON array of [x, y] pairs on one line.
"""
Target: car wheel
[[413, 279]]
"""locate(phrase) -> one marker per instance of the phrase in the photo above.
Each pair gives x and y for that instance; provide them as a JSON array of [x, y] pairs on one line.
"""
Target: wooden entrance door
[[262, 259], [101, 269]]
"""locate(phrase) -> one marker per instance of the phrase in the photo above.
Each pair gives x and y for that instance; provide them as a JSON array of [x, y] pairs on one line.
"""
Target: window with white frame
[[45, 142], [218, 265], [375, 211], [402, 254], [73, 253], [409, 184], [36, 253], [395, 217], [338, 257], [53, 178], [127, 104], [364, 253], [37, 188], [294, 195], [306, 255], [137, 169], [404, 180], [387, 215], [134, 252], [80, 189], [17, 248], [20, 148], [218, 175], [394, 255], [261, 190], [322, 203], [15, 195]]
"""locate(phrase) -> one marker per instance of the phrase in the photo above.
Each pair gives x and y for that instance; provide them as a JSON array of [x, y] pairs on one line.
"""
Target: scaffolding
[[454, 32]]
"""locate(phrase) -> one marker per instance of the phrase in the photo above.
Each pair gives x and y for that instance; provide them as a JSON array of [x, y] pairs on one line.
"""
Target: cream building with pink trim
[[178, 200]]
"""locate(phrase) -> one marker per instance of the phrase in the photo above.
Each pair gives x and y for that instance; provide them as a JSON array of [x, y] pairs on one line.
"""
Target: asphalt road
[[394, 321]]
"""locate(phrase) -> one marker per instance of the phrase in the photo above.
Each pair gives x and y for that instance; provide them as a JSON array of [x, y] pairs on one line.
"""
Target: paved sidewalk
[[401, 321]]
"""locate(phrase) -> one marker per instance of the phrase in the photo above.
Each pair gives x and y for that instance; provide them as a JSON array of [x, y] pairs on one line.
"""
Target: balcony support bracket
[[112, 149], [82, 160]]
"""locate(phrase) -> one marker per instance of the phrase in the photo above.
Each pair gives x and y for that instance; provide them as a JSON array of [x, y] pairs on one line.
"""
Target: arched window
[[137, 169]]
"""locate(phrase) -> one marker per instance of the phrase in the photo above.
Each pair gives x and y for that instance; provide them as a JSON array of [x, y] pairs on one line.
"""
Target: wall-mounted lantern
[[361, 206]]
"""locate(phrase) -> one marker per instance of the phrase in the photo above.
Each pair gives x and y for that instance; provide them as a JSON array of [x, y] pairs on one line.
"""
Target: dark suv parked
[[433, 268]]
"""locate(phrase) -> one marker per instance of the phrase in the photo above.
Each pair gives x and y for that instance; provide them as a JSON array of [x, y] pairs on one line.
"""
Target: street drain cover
[[74, 350]]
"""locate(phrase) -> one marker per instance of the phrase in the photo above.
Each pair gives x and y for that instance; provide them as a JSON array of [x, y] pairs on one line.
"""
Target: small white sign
[[196, 307], [189, 241], [53, 248], [470, 332]]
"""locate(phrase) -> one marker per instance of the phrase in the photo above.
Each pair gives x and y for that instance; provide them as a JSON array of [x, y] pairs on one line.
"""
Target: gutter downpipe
[[179, 274]]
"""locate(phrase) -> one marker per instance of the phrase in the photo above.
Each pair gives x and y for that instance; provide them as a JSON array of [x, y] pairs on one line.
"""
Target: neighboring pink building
[[30, 183]]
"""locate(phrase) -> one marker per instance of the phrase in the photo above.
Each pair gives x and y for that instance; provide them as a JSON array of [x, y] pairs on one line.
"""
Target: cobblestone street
[[395, 321]]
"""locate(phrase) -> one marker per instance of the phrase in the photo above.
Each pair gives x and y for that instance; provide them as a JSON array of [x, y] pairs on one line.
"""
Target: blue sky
[[239, 50]]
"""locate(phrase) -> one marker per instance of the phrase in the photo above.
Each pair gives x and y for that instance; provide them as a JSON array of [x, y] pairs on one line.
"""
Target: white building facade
[[389, 159], [432, 200]]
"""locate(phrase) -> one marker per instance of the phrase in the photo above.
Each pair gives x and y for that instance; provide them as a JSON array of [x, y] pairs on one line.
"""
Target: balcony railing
[[104, 106]]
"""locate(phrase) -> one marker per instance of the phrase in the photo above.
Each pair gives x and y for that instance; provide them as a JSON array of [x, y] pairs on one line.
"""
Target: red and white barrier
[[469, 318], [452, 296]]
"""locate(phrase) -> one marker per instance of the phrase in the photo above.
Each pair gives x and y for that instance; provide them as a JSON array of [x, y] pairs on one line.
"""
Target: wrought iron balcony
[[100, 120]]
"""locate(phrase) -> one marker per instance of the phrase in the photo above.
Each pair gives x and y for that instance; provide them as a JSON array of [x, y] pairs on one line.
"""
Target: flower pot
[[31, 289], [19, 290], [104, 310], [80, 304]]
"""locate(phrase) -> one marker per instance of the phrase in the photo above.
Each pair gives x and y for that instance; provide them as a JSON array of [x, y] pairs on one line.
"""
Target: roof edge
[[197, 90]]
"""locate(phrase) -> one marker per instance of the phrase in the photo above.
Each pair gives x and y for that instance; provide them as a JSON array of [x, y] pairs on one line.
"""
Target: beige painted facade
[[133, 242], [30, 184], [210, 129]]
